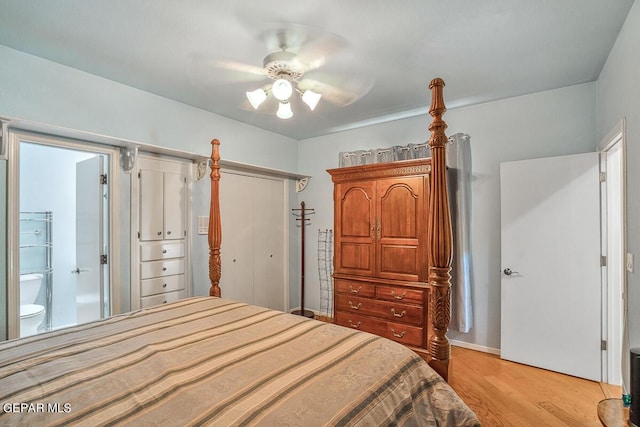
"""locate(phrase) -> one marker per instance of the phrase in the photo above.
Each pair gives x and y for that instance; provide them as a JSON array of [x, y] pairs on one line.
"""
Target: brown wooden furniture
[[385, 236], [404, 268], [612, 413], [380, 273]]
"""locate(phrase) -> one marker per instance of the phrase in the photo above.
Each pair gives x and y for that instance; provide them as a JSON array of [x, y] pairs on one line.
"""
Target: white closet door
[[236, 214], [175, 194], [268, 275], [151, 205]]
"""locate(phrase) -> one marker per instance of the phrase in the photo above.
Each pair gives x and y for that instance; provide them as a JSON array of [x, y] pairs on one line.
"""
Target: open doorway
[[61, 207]]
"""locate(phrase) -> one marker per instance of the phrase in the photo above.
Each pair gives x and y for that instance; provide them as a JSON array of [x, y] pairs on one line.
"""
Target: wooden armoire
[[380, 255]]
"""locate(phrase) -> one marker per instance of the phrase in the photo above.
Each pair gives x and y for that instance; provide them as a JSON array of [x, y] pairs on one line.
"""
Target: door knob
[[509, 272]]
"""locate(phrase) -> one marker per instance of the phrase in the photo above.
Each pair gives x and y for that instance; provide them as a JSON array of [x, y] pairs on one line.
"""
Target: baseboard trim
[[476, 347]]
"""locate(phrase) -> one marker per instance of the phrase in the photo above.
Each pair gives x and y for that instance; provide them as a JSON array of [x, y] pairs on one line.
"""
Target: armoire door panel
[[357, 212], [399, 197], [355, 223], [402, 215], [356, 258], [399, 260]]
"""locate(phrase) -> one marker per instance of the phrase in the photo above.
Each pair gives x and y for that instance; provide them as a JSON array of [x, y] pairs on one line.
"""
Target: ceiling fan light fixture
[[282, 89], [311, 98], [284, 110], [256, 97]]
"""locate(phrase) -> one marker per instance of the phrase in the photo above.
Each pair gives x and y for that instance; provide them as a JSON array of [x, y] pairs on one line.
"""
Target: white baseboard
[[476, 347]]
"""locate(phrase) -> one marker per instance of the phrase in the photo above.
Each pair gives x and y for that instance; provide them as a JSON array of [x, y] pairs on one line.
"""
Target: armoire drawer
[[161, 284], [400, 293], [397, 312], [168, 267], [355, 288], [161, 250], [162, 298], [402, 333]]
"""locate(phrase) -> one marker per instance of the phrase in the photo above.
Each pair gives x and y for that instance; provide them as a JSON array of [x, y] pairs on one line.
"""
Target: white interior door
[[89, 239], [550, 249]]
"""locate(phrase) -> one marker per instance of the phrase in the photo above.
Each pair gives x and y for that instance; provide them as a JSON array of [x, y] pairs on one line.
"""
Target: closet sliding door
[[253, 239]]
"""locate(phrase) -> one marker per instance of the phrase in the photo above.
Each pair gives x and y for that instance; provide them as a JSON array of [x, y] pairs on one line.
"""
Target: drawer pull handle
[[398, 335], [164, 285], [164, 268], [168, 232], [164, 302], [164, 251], [355, 325], [355, 291], [355, 307], [393, 311], [159, 233], [399, 297]]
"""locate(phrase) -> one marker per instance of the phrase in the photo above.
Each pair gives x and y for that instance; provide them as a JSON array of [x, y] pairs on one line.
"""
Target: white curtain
[[459, 179], [459, 185]]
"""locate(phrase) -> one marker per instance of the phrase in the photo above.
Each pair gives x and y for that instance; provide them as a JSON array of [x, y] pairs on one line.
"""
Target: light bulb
[[256, 97], [284, 111], [311, 98], [282, 89]]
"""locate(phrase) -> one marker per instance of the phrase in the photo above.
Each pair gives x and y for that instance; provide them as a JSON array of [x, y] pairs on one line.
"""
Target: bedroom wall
[[550, 123], [617, 95], [39, 90]]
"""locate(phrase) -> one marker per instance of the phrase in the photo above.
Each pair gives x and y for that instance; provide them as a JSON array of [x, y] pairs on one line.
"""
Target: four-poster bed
[[439, 241], [211, 361]]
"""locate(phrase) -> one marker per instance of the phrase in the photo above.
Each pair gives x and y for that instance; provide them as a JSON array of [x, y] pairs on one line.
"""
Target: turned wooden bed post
[[440, 240], [215, 227]]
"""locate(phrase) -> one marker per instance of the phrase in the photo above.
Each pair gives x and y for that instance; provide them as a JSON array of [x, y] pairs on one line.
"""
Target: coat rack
[[303, 211]]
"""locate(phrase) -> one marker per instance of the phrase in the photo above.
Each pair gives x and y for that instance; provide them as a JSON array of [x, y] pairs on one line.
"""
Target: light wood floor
[[503, 393]]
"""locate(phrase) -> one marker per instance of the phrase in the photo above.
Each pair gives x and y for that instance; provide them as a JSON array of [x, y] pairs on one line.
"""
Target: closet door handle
[[379, 229]]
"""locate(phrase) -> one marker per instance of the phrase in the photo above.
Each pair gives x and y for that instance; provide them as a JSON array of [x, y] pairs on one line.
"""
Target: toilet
[[31, 314]]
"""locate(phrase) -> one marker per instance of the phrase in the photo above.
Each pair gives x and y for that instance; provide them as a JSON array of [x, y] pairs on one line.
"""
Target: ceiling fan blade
[[204, 70], [342, 93], [311, 45]]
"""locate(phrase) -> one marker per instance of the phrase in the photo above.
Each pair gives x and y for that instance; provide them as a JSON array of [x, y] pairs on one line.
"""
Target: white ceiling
[[390, 49]]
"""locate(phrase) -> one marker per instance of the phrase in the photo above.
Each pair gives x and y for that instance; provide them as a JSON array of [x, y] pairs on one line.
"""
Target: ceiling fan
[[286, 71], [296, 53]]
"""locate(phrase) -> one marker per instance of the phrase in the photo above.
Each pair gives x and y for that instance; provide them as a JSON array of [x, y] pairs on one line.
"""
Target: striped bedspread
[[211, 361]]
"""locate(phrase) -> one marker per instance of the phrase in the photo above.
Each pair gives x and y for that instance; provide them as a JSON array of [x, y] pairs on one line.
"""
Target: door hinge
[[138, 234], [603, 176], [103, 179], [603, 345], [603, 261], [103, 259]]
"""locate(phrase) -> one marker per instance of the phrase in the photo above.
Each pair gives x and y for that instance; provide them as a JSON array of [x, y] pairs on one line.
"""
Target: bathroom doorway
[[64, 211]]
